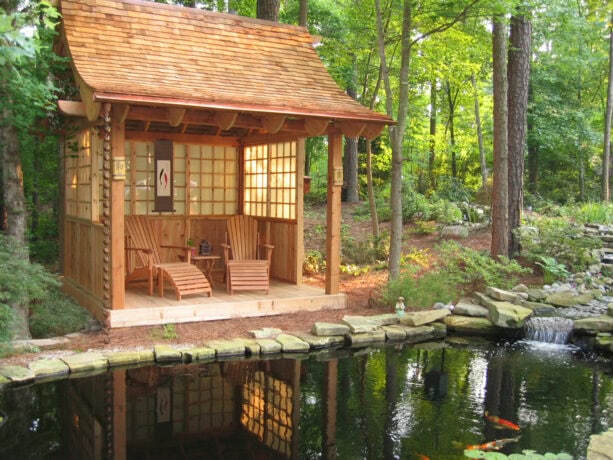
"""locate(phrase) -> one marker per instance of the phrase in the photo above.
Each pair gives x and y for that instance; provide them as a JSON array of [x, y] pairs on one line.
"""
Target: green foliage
[[365, 252], [57, 315], [6, 325], [560, 239], [473, 269], [414, 205], [44, 241], [593, 213], [445, 212], [552, 269], [314, 262], [420, 292], [165, 332], [454, 190], [525, 455], [425, 227]]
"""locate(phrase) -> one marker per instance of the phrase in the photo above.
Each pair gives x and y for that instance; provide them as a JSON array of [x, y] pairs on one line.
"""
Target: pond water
[[404, 401]]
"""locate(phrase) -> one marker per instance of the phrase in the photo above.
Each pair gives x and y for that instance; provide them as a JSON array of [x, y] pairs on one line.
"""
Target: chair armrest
[[267, 246]]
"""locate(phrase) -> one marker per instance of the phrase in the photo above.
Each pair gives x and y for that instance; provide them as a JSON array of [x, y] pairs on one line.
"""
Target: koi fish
[[423, 457], [492, 445], [502, 423]]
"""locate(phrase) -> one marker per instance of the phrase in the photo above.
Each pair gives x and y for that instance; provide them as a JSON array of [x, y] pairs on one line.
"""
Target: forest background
[[468, 98]]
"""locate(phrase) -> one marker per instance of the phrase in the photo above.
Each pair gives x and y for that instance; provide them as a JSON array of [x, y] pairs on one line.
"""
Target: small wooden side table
[[208, 262]]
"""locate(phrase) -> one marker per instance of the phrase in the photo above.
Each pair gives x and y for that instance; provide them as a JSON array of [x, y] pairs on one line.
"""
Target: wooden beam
[[329, 391], [333, 217], [350, 128], [183, 138], [175, 116], [316, 126], [225, 120], [373, 130], [300, 154], [273, 123]]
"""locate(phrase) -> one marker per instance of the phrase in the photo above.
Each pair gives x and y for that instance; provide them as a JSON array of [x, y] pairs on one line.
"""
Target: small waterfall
[[548, 329]]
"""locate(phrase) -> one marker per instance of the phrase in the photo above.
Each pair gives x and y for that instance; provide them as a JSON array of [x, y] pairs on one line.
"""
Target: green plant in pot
[[191, 244]]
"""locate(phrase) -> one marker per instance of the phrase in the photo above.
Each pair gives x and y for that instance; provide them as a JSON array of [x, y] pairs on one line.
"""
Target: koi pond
[[423, 401]]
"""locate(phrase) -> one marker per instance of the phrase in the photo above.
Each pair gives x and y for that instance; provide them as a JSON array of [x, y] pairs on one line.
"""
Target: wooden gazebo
[[224, 103]]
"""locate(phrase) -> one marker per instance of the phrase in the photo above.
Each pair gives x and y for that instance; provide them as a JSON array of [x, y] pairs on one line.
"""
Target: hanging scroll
[[163, 177]]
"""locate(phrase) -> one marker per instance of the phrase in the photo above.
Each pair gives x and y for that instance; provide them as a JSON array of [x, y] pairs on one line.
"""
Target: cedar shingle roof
[[145, 52]]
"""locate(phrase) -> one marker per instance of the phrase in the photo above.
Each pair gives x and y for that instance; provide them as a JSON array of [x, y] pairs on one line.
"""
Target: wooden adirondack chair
[[143, 250], [244, 269]]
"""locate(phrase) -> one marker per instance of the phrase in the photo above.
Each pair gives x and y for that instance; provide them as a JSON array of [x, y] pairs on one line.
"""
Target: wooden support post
[[329, 409], [334, 211], [299, 237], [117, 209]]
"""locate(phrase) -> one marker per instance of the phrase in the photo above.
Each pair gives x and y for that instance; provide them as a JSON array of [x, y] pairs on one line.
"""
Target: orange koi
[[492, 445], [423, 457], [501, 422]]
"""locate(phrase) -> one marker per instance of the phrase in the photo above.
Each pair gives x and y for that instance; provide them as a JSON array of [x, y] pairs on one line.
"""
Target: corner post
[[334, 211], [118, 136]]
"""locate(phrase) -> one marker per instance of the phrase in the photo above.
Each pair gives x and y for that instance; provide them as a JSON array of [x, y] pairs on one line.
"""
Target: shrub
[[420, 292], [560, 239], [445, 212], [473, 269], [369, 251], [314, 262], [593, 213], [414, 205], [453, 189], [56, 315]]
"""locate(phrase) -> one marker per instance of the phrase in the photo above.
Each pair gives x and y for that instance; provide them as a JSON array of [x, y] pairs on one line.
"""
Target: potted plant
[[190, 244]]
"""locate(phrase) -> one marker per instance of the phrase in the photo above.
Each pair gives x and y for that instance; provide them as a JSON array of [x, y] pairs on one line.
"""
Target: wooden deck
[[144, 310]]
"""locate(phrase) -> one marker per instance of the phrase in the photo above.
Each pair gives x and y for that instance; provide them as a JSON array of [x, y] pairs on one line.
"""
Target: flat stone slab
[[167, 354], [502, 295], [366, 338], [43, 368], [17, 374], [386, 319], [316, 342], [508, 315], [252, 347], [200, 353], [395, 332], [265, 333], [466, 307], [567, 299], [538, 307], [53, 342], [419, 333], [4, 380], [227, 347], [124, 358], [601, 446], [359, 324], [470, 325], [329, 329], [85, 362], [602, 323], [419, 318], [292, 344], [268, 346]]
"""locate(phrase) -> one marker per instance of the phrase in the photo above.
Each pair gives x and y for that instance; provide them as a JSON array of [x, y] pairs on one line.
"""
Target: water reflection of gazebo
[[233, 100], [232, 409]]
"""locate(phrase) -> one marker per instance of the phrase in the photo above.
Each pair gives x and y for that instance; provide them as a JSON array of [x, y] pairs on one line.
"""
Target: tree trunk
[[396, 132], [500, 195], [371, 194], [533, 153], [606, 151], [12, 179], [303, 13], [482, 159], [350, 157], [432, 157], [268, 9], [451, 103], [518, 80]]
